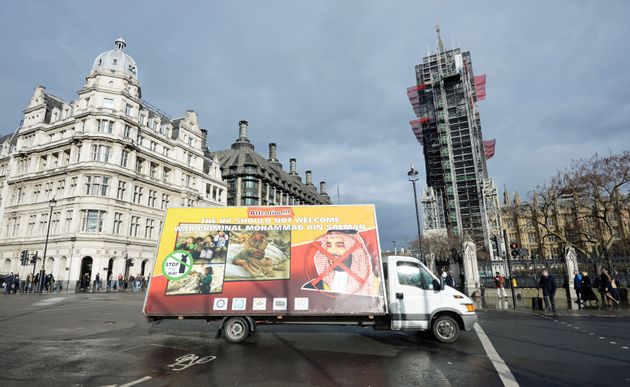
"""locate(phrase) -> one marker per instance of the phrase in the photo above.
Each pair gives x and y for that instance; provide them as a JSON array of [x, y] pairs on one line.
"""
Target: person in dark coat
[[548, 285], [449, 280], [588, 295], [577, 284]]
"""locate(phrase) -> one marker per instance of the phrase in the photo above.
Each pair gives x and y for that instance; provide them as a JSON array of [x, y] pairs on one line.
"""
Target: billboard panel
[[293, 260]]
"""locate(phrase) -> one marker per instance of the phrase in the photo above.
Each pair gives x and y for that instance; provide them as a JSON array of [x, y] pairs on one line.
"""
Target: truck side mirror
[[399, 296], [436, 285]]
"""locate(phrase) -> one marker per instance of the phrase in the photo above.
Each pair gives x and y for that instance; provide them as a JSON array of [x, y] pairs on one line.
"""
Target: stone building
[[568, 218], [110, 164], [253, 180]]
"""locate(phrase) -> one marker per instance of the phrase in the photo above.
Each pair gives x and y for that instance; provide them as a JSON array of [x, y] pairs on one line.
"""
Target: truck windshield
[[412, 274]]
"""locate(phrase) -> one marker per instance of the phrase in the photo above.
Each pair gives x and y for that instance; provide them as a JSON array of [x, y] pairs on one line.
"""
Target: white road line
[[138, 381], [502, 369], [624, 347], [612, 342], [48, 301], [601, 337]]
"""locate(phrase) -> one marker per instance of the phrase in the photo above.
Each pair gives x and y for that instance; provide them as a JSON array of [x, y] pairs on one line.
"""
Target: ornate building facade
[[111, 165], [568, 218], [253, 180]]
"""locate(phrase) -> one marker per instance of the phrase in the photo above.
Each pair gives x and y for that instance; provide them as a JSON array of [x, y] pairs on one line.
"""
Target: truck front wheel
[[445, 329], [235, 329]]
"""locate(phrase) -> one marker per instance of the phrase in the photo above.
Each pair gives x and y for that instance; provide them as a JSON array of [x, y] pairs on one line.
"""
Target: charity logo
[[177, 265], [220, 304], [300, 303], [259, 304], [239, 303], [279, 304]]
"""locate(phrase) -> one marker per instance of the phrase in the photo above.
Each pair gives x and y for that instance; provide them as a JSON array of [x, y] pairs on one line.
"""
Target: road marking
[[137, 381], [502, 369], [592, 334], [584, 331], [612, 342], [49, 301], [601, 337], [624, 347]]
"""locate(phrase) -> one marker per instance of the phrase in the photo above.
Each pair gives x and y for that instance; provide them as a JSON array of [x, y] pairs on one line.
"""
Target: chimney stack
[[292, 167], [322, 187], [242, 130], [309, 178], [273, 156]]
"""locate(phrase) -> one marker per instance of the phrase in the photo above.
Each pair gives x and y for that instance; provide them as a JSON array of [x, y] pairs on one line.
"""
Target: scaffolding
[[449, 130]]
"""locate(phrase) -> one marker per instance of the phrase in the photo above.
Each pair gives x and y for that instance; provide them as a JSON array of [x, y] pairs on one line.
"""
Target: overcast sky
[[326, 80]]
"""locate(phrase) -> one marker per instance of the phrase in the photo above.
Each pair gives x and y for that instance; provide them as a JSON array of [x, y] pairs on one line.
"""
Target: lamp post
[[394, 246], [42, 272], [413, 177]]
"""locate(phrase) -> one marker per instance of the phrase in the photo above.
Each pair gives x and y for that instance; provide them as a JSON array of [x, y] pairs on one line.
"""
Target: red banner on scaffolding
[[416, 127], [489, 147], [480, 86]]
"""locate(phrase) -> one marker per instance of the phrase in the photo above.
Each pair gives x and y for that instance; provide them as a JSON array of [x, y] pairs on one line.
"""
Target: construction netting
[[489, 147], [480, 86]]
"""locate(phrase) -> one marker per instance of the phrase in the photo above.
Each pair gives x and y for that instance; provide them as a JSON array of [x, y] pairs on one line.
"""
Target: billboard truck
[[245, 266]]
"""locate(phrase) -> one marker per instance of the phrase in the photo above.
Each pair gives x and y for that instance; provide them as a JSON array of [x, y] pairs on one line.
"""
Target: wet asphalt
[[103, 340]]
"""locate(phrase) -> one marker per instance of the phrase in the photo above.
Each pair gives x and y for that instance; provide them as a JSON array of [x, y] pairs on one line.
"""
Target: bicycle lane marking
[[499, 365]]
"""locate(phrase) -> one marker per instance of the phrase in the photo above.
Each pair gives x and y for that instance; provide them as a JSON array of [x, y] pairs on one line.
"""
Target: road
[[103, 340]]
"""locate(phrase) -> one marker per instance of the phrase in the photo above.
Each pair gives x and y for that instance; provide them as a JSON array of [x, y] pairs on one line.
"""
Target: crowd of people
[[606, 284], [113, 283], [12, 284]]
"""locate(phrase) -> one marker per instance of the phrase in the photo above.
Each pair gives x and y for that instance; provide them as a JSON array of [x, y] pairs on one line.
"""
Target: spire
[[440, 43], [506, 196]]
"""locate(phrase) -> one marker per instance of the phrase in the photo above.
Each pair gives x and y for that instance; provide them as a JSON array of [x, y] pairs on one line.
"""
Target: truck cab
[[417, 301]]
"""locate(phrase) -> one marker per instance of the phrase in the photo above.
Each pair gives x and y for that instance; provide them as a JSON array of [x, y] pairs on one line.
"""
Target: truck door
[[412, 295]]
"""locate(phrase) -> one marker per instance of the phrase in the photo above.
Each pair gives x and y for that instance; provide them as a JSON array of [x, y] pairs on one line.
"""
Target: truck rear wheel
[[235, 329], [445, 329]]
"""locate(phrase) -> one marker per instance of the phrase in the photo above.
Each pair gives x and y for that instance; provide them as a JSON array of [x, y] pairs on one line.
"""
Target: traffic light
[[24, 258], [515, 249], [34, 258]]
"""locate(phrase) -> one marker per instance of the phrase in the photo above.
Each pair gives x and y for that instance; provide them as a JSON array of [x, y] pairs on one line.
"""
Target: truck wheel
[[236, 329], [445, 329]]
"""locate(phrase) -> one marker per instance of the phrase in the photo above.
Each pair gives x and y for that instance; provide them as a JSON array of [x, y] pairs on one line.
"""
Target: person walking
[[588, 295], [97, 283], [605, 287], [577, 285], [449, 280], [548, 285], [499, 283]]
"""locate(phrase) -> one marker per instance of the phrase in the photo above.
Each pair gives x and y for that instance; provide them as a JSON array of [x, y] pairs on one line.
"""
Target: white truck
[[245, 266]]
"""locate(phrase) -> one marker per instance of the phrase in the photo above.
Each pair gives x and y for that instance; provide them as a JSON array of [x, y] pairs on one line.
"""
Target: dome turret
[[117, 61]]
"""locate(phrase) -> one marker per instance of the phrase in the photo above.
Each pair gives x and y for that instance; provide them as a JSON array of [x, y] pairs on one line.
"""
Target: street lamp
[[413, 177], [394, 246], [42, 272]]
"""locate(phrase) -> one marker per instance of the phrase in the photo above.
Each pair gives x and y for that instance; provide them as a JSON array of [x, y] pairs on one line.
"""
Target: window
[[137, 194], [165, 151], [411, 274], [189, 159], [531, 238], [73, 185], [31, 224], [134, 225], [142, 119], [68, 222], [61, 187], [117, 222], [105, 126], [43, 223], [122, 187], [65, 157], [13, 226], [149, 227], [165, 201], [124, 158], [96, 185], [186, 180], [153, 145], [152, 198], [108, 103], [139, 164], [92, 220], [127, 133], [43, 160], [153, 170], [100, 153], [78, 154], [166, 175], [129, 110], [54, 223], [36, 191], [48, 190]]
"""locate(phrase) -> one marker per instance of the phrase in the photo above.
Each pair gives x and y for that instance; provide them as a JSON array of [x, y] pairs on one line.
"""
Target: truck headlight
[[470, 307]]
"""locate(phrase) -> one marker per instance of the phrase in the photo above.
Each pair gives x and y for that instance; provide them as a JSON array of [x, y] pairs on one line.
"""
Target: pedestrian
[[548, 285], [614, 289], [577, 285], [138, 283], [120, 281], [499, 283], [97, 282], [605, 289], [449, 280], [586, 290]]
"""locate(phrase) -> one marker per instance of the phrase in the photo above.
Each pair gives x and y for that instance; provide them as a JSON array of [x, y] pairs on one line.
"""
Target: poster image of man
[[258, 255], [204, 247], [203, 279], [343, 265]]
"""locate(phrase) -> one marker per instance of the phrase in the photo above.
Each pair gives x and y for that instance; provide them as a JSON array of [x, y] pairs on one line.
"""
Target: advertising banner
[[293, 260]]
